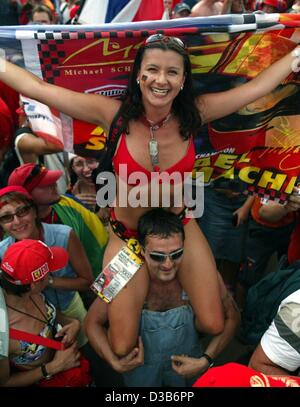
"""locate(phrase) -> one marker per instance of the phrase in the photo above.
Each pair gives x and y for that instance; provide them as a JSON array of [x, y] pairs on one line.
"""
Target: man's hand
[[188, 367], [293, 203]]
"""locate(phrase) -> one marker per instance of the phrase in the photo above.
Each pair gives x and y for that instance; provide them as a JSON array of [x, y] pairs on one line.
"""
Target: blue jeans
[[165, 334], [226, 241]]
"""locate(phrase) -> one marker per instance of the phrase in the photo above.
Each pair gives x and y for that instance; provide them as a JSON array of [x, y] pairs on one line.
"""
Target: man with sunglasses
[[62, 209], [169, 351]]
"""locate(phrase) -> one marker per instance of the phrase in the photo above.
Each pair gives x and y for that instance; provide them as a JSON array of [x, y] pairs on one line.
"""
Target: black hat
[[182, 7]]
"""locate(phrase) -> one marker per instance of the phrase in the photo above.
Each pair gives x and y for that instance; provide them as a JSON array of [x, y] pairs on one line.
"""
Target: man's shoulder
[[289, 311]]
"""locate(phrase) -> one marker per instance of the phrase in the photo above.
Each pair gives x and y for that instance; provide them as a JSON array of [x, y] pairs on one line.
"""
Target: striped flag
[[107, 11]]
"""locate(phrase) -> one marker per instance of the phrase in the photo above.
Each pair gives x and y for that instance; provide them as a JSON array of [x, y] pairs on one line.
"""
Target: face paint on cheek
[[144, 78]]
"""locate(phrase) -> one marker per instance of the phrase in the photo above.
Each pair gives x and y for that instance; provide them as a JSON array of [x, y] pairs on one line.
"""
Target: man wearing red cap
[[54, 208], [24, 274]]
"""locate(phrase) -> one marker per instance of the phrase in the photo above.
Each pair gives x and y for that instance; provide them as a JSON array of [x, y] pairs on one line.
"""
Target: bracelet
[[45, 373], [209, 359]]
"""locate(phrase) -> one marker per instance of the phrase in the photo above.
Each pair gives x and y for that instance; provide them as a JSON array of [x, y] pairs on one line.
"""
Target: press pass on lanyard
[[116, 274]]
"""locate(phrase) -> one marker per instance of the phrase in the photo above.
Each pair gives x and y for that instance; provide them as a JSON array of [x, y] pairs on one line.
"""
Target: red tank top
[[123, 156]]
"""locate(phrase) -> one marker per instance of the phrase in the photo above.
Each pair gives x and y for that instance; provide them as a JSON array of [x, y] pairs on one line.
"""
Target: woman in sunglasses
[[160, 116], [18, 219]]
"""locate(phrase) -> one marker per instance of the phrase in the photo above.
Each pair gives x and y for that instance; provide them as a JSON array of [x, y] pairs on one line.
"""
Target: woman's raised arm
[[91, 108], [214, 106]]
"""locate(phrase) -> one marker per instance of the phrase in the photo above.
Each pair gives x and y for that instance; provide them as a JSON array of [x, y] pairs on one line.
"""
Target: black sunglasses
[[20, 212], [163, 38], [162, 257]]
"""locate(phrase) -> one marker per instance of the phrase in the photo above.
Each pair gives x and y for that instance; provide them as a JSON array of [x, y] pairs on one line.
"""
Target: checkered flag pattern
[[50, 53]]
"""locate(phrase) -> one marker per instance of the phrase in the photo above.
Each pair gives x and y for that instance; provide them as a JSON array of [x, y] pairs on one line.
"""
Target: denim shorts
[[226, 241], [165, 334]]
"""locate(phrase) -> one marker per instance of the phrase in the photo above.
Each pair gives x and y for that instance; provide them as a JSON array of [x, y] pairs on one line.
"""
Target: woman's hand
[[69, 333], [64, 360], [242, 215]]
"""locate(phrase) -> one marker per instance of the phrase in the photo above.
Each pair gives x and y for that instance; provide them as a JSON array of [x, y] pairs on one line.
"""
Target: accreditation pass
[[116, 274]]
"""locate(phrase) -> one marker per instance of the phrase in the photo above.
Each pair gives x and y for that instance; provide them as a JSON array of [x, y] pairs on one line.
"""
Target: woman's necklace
[[153, 144], [45, 320]]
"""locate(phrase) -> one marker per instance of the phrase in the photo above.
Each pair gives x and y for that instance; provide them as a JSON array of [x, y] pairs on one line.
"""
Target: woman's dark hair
[[73, 175], [159, 222], [11, 288], [184, 107]]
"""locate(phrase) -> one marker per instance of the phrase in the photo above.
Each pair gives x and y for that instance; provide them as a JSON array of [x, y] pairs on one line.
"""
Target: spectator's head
[[182, 88], [181, 10], [82, 167], [237, 7], [18, 213], [27, 263], [38, 181], [42, 15], [272, 6], [168, 4], [161, 235]]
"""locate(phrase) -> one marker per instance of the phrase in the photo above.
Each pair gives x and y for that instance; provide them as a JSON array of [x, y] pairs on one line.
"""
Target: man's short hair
[[181, 7], [159, 222]]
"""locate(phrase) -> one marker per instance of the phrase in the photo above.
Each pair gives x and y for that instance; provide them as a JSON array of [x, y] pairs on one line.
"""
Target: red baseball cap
[[236, 375], [33, 175], [15, 188], [30, 260]]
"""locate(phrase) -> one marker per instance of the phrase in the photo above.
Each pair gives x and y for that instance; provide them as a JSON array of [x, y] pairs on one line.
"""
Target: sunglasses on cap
[[20, 213], [162, 257], [164, 39], [36, 170]]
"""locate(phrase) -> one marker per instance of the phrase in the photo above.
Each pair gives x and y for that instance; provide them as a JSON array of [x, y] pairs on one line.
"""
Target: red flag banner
[[256, 146]]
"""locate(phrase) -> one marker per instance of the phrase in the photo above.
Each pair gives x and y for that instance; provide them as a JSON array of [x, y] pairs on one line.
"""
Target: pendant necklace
[[153, 144]]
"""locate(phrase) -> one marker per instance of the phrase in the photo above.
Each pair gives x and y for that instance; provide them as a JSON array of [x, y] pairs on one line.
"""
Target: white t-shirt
[[281, 342]]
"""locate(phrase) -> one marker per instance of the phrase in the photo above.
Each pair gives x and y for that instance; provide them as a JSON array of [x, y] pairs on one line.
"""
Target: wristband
[[22, 130], [45, 374], [209, 359]]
